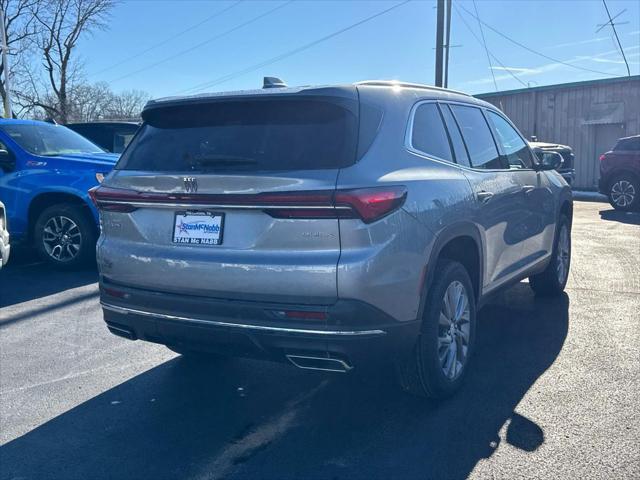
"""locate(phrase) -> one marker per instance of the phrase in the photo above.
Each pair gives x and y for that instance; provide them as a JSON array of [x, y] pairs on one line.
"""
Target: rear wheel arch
[[461, 243], [566, 208], [618, 173]]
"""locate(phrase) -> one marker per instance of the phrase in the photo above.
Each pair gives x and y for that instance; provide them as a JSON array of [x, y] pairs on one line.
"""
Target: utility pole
[[447, 45], [439, 42], [5, 62]]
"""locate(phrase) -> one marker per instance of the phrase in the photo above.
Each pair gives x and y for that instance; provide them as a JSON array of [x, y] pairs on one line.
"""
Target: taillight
[[372, 204], [114, 199], [368, 204], [602, 157]]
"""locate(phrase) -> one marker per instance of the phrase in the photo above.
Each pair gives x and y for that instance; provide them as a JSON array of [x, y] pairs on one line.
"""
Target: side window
[[428, 134], [462, 157], [477, 136], [515, 149]]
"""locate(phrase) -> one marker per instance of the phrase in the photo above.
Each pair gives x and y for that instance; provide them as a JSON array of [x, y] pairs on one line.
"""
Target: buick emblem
[[190, 184]]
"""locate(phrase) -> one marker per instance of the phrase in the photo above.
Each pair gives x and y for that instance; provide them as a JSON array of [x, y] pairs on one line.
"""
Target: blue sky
[[193, 46]]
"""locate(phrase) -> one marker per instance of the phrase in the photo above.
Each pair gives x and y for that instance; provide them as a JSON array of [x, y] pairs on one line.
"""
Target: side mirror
[[548, 160], [7, 161]]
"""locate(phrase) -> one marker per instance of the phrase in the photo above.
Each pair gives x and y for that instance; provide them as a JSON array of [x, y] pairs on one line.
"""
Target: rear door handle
[[484, 197]]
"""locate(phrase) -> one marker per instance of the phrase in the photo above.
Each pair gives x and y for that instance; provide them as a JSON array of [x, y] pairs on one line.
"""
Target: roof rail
[[393, 83]]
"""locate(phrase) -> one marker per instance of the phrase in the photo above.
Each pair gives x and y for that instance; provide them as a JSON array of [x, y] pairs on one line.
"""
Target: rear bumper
[[603, 185], [353, 332]]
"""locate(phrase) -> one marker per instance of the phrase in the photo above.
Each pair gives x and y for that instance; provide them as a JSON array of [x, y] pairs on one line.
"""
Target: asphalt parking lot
[[554, 392]]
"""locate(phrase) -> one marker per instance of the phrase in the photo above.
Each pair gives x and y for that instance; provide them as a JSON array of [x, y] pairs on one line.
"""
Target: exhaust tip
[[319, 363], [122, 331]]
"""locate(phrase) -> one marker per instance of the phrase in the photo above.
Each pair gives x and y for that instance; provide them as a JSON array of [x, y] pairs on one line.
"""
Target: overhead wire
[[277, 58], [506, 69], [484, 43], [204, 42], [170, 39], [535, 52]]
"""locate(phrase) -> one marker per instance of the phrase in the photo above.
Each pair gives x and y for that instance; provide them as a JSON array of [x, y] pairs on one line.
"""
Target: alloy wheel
[[623, 193], [454, 329], [61, 238]]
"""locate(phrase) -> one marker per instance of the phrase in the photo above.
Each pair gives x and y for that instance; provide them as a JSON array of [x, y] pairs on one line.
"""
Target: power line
[[205, 42], [507, 69], [277, 58], [613, 27], [515, 42], [484, 42], [170, 39]]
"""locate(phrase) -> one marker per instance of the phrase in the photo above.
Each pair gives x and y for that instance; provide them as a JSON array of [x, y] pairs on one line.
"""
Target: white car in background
[[4, 237]]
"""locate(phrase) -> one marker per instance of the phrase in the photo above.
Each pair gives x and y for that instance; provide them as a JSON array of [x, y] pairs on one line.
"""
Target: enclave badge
[[190, 184]]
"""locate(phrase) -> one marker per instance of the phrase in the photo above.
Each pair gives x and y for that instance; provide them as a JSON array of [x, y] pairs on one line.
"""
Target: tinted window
[[515, 149], [49, 140], [477, 137], [628, 144], [428, 134], [456, 138], [246, 135]]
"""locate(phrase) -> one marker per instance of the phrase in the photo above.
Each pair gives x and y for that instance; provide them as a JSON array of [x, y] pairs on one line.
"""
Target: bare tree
[[127, 105], [61, 23], [20, 27], [89, 102]]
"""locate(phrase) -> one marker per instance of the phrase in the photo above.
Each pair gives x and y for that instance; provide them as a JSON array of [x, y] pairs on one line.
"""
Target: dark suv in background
[[566, 169], [620, 174], [112, 136]]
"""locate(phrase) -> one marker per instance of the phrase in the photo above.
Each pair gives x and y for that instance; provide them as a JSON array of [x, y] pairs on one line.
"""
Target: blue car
[[46, 171]]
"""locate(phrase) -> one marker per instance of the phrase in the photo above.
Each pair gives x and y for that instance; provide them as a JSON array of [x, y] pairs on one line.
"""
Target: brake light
[[602, 157], [372, 204], [113, 199], [368, 204]]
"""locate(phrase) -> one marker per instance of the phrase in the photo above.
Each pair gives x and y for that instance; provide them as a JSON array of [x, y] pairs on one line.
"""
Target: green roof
[[558, 86]]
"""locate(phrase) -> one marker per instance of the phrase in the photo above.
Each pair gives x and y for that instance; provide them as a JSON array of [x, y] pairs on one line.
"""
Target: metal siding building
[[588, 116]]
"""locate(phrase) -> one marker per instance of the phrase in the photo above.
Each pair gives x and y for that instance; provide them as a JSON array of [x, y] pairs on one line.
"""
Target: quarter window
[[477, 136], [428, 134], [515, 149], [456, 137]]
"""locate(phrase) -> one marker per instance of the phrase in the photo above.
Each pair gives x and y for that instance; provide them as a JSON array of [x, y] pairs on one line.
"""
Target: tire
[[552, 281], [422, 372], [65, 236], [624, 192]]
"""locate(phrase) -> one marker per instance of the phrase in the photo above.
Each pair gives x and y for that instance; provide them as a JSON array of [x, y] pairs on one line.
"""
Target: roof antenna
[[273, 82]]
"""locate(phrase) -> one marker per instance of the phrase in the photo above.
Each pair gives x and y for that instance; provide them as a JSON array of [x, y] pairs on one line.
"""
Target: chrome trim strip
[[345, 366], [263, 328], [196, 206], [122, 330]]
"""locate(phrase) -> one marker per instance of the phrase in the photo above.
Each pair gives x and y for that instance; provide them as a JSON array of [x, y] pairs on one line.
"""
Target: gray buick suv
[[329, 227]]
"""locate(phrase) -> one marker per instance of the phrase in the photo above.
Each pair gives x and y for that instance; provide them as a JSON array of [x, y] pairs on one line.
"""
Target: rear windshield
[[628, 144], [283, 134]]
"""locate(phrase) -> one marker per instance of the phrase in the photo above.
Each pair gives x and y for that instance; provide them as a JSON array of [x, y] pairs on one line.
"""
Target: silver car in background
[[329, 227]]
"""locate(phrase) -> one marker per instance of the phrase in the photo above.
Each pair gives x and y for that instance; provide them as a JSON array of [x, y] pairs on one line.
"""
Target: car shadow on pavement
[[632, 218], [244, 419], [26, 278]]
